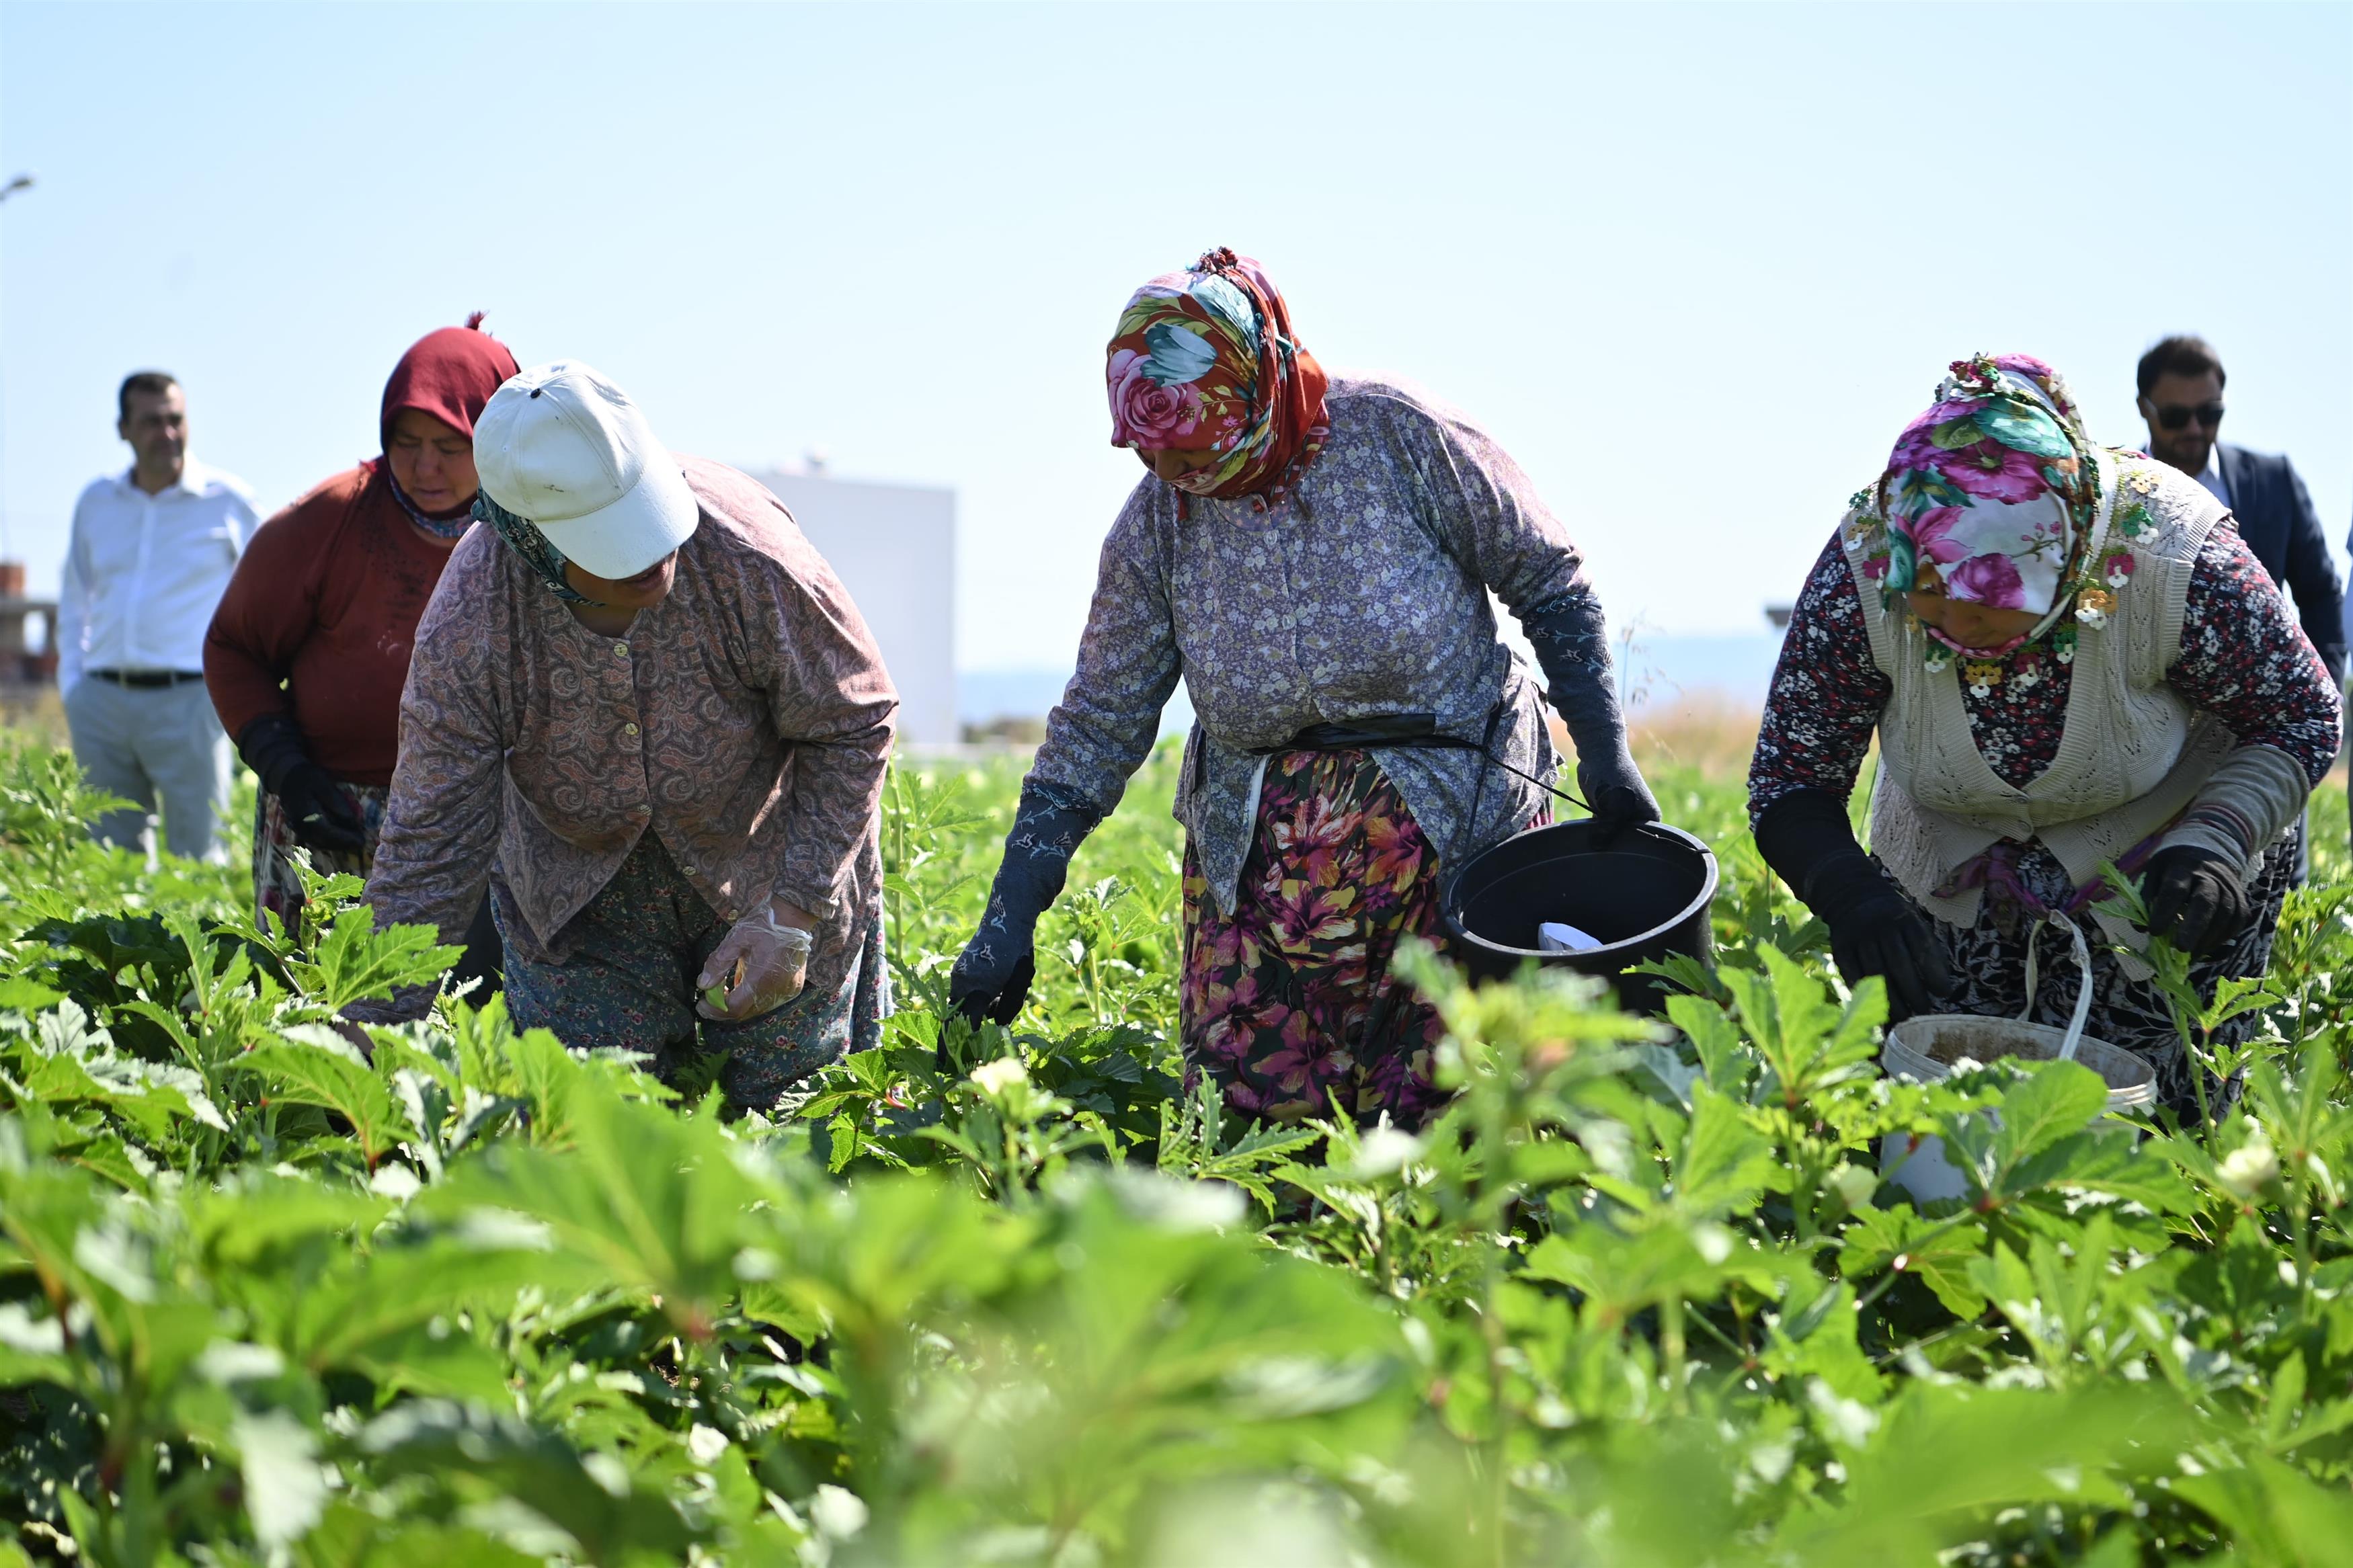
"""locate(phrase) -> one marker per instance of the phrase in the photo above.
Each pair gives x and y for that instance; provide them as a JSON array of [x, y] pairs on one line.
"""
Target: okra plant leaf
[[313, 1066], [1936, 1252]]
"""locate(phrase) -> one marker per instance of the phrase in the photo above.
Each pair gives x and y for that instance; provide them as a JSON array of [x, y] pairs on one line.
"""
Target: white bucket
[[1925, 1049]]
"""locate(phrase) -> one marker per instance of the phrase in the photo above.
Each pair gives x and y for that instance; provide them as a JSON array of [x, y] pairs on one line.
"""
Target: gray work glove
[[1572, 644], [991, 979]]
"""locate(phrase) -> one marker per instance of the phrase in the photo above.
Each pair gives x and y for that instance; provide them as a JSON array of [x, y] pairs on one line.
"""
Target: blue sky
[[1695, 265]]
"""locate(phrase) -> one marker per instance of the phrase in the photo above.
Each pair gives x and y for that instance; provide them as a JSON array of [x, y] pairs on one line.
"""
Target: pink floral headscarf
[[1987, 494], [1206, 360]]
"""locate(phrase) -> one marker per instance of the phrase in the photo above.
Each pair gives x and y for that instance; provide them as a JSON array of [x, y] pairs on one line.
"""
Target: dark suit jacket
[[2276, 520]]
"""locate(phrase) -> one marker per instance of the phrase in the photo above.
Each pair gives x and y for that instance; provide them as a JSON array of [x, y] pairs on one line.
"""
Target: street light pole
[[21, 183]]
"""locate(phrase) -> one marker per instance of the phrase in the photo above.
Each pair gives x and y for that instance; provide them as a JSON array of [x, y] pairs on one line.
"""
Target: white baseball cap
[[564, 448]]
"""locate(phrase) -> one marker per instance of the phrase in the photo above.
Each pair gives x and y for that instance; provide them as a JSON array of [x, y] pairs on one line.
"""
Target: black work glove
[[1875, 929], [2195, 899], [991, 979], [321, 815], [1572, 644]]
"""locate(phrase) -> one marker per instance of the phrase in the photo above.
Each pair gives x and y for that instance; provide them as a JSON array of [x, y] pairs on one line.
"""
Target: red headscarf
[[450, 375], [1205, 361]]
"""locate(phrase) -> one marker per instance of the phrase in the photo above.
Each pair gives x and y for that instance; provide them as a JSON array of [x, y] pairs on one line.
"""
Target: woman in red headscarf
[[1313, 556], [308, 649]]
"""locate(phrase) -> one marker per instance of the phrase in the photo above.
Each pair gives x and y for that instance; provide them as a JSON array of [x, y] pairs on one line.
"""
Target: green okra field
[[1640, 1298]]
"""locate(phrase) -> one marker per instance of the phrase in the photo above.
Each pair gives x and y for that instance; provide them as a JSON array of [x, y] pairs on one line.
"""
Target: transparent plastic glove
[[757, 967]]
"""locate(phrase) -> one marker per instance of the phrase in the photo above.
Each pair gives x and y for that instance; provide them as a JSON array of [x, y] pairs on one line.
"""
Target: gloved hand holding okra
[[758, 966]]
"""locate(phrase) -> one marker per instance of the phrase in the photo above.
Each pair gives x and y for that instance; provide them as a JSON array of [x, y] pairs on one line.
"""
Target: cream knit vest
[[2132, 752]]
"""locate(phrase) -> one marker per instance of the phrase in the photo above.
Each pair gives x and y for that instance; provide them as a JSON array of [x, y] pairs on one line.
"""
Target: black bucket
[[1645, 897]]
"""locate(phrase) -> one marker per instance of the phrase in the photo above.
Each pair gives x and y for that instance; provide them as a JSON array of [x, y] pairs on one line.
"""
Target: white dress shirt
[[2211, 476], [144, 573]]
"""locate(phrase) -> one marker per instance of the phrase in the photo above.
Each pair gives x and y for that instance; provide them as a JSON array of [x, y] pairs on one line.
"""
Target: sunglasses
[[2176, 416]]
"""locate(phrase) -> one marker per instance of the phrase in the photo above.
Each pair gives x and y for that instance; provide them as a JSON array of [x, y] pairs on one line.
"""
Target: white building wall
[[893, 547]]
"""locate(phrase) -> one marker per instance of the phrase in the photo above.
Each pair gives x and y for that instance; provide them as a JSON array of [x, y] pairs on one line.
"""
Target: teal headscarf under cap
[[523, 537]]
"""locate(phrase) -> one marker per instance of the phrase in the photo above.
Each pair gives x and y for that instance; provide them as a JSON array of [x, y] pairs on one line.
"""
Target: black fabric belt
[[1411, 732], [146, 680]]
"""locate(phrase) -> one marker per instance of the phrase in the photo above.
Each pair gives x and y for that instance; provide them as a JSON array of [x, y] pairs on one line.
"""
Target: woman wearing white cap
[[645, 711]]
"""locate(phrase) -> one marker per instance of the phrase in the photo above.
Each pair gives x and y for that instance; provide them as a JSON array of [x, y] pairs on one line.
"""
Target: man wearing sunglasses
[[2181, 398]]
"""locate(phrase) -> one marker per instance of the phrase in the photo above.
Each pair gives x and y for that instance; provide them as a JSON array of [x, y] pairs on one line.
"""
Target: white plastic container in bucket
[[1928, 1047]]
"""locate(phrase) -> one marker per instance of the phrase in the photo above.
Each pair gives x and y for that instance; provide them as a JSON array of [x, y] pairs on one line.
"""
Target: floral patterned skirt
[[1288, 1004], [1990, 959], [277, 886]]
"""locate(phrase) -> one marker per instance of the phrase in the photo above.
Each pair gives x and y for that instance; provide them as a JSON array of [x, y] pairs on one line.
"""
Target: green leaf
[[314, 1066], [1815, 1335], [646, 1198], [2272, 1512], [1714, 1036], [354, 962], [2110, 1158], [1810, 1044], [285, 1487], [1936, 1252], [32, 1348], [26, 995], [610, 1514], [1619, 1274], [1946, 1458], [2037, 1134], [349, 1535], [1724, 1163]]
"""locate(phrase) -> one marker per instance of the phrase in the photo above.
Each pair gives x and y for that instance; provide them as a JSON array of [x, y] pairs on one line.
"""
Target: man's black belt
[[146, 680]]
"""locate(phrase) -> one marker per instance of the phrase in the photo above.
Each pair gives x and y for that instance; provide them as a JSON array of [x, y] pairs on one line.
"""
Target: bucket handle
[[2074, 1036]]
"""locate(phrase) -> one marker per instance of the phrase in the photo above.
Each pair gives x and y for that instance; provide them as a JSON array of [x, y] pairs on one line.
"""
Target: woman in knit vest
[[2071, 659]]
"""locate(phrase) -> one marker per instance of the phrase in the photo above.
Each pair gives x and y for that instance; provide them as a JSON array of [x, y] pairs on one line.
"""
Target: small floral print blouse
[[2243, 659], [1362, 591]]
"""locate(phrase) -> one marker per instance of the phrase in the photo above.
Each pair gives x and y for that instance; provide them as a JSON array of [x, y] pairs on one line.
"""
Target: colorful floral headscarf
[[1988, 494], [1205, 361]]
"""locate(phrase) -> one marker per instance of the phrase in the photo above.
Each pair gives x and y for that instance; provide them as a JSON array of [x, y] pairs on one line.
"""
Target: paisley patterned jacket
[[746, 720]]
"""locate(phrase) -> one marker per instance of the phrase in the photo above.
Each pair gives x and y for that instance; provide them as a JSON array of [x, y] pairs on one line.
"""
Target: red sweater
[[325, 603]]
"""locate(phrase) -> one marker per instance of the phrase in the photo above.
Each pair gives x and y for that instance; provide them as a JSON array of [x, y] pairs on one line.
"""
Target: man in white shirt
[[150, 552]]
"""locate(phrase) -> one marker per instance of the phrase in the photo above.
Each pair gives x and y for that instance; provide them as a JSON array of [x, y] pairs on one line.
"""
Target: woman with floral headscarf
[[1313, 557], [2071, 661]]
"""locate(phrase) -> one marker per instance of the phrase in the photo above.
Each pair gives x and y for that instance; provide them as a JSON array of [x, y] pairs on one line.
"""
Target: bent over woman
[[644, 713], [2071, 659], [1313, 557]]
